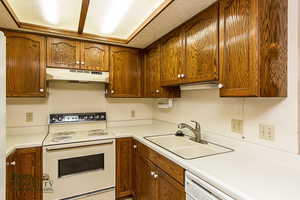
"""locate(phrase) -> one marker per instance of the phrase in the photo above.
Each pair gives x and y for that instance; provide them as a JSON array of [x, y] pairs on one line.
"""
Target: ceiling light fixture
[[50, 10], [114, 15]]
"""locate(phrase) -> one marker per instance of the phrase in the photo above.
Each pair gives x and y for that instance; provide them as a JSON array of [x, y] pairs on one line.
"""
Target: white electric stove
[[78, 158]]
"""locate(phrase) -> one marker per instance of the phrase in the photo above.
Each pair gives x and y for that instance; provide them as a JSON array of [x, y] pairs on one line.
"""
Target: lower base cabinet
[[152, 182], [24, 174]]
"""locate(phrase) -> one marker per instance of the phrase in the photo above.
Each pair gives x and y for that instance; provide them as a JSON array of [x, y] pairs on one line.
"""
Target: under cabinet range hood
[[77, 75]]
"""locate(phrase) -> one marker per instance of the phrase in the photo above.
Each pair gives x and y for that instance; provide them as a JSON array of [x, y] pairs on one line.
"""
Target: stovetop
[[67, 128]]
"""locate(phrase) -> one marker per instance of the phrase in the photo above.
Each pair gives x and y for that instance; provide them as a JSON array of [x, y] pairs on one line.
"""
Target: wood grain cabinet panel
[[10, 177], [253, 48], [94, 57], [125, 72], [172, 52], [26, 67], [201, 46], [152, 66], [124, 173], [63, 53], [24, 174], [152, 181]]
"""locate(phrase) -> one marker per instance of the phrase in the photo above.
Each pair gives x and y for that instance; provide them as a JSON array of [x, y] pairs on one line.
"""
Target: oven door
[[78, 168]]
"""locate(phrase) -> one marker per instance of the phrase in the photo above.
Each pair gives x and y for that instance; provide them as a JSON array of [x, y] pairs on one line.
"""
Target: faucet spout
[[196, 130]]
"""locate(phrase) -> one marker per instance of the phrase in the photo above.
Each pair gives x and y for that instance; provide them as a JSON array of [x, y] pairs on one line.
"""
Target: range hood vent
[[201, 86], [77, 75]]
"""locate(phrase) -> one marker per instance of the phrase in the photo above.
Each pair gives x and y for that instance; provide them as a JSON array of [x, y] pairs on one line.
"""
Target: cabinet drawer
[[169, 167]]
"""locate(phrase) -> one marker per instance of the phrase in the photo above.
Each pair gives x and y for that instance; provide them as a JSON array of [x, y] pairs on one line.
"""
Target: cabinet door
[[62, 53], [25, 61], [10, 177], [124, 167], [168, 188], [152, 88], [201, 46], [145, 183], [29, 174], [171, 58], [238, 48], [125, 72], [94, 56]]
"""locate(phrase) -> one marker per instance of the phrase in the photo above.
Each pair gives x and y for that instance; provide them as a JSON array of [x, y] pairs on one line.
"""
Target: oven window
[[80, 164]]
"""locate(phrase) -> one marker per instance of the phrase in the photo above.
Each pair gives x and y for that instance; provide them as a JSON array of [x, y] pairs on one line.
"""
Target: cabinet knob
[[135, 146], [155, 176], [82, 63], [157, 91], [112, 91], [152, 173], [13, 163], [178, 75], [77, 62], [41, 90], [182, 75]]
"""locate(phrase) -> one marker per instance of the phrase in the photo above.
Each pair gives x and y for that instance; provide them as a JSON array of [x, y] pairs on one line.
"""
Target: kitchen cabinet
[[152, 66], [172, 53], [25, 63], [253, 48], [63, 53], [124, 172], [125, 73], [24, 174], [10, 177], [201, 60], [94, 57], [73, 54], [190, 53], [156, 177]]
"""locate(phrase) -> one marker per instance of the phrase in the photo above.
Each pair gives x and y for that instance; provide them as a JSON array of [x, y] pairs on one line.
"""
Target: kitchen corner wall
[[215, 113], [73, 97]]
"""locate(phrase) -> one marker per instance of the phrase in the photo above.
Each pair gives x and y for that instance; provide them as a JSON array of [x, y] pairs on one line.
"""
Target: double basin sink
[[186, 148]]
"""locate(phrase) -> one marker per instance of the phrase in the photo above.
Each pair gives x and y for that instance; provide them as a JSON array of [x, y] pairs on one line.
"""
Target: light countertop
[[251, 172]]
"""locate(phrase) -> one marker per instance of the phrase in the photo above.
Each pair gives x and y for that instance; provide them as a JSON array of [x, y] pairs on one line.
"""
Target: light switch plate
[[237, 126], [267, 132]]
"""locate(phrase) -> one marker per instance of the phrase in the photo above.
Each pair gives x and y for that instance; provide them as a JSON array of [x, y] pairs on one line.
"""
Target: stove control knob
[[91, 117], [97, 116], [85, 117]]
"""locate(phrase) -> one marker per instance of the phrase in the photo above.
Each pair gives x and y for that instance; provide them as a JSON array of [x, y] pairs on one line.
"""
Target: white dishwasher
[[197, 189]]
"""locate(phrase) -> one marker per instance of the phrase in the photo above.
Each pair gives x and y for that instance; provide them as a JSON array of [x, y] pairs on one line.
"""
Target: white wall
[[215, 113], [72, 97]]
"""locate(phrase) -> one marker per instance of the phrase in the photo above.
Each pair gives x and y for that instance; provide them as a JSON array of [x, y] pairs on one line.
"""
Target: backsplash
[[73, 97]]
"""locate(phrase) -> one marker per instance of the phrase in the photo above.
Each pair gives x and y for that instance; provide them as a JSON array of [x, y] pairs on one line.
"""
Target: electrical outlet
[[237, 126], [132, 114], [29, 117], [267, 132]]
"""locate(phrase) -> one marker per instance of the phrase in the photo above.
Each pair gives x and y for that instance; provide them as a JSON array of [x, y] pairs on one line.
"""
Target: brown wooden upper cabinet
[[125, 72], [171, 58], [190, 52], [73, 54], [26, 67], [253, 48], [63, 53], [94, 56], [152, 66], [201, 59]]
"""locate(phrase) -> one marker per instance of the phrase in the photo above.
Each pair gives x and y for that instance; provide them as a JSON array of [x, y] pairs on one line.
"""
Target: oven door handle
[[78, 145]]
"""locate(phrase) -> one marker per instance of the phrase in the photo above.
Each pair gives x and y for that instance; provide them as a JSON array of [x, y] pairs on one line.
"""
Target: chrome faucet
[[196, 131]]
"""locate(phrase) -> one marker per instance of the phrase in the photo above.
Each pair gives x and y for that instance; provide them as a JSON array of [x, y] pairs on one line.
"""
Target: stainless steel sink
[[186, 148]]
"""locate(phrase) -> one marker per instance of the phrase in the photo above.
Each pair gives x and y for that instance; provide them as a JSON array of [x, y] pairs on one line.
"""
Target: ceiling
[[135, 23]]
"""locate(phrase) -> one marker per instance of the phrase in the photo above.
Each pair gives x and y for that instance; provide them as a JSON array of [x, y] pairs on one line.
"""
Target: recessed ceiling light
[[50, 10], [116, 11]]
